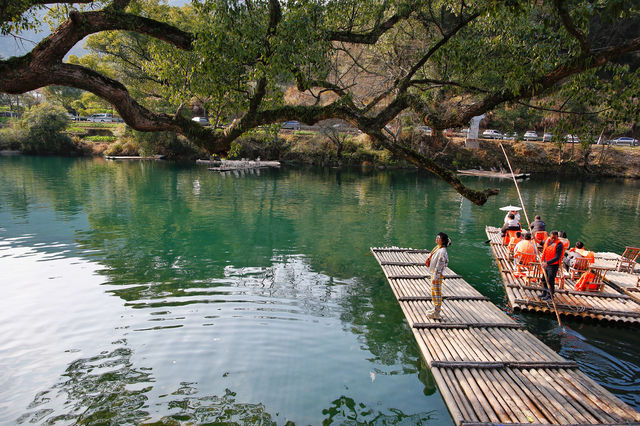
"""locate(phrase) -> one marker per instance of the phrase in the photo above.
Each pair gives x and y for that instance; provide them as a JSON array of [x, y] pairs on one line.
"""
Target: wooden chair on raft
[[508, 237], [540, 237], [522, 264], [580, 266], [627, 262], [592, 280], [534, 274]]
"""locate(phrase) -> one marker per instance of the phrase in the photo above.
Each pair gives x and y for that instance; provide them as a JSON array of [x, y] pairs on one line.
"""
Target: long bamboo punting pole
[[524, 209]]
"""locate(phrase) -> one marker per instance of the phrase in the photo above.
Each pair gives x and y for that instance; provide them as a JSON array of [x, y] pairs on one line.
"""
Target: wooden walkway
[[488, 368], [613, 304]]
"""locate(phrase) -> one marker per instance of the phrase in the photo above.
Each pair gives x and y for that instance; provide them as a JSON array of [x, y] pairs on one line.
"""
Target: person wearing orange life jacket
[[576, 253], [525, 246], [551, 258], [562, 236], [514, 241]]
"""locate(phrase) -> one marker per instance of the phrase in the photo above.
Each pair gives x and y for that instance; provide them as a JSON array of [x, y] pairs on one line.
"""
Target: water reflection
[[105, 388], [255, 296]]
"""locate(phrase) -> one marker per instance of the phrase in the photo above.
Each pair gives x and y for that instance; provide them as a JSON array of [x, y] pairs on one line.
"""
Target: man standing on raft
[[437, 261]]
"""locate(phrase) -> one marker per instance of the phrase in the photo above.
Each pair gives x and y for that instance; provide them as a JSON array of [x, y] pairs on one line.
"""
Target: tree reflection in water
[[345, 410], [103, 389]]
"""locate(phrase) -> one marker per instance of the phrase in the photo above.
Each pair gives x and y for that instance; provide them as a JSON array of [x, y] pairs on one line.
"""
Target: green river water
[[142, 292]]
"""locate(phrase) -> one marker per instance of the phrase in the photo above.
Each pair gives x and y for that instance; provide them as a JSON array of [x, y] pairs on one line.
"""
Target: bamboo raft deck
[[488, 368], [613, 304]]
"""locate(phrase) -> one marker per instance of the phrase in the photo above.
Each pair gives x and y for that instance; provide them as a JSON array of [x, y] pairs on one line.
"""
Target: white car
[[571, 139], [624, 140], [547, 137], [530, 135], [491, 134], [100, 118], [204, 121]]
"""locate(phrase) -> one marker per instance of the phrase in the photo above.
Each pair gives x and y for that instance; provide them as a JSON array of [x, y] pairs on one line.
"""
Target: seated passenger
[[515, 214], [576, 253], [515, 240], [511, 225], [538, 225], [524, 247], [562, 236]]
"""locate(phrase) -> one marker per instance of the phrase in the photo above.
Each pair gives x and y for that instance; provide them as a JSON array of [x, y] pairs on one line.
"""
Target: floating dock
[[231, 165], [488, 368], [492, 174], [613, 304], [134, 157]]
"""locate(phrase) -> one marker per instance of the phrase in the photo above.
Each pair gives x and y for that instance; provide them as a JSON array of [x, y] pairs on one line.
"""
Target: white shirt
[[439, 261], [517, 217]]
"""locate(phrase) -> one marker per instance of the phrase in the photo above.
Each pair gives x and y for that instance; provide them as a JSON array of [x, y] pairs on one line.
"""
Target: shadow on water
[[261, 287]]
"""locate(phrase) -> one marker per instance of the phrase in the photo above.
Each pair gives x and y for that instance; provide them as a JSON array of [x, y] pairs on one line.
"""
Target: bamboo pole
[[528, 227]]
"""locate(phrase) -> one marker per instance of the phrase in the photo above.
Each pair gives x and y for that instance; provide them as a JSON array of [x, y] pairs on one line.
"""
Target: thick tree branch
[[406, 81], [571, 67], [570, 26], [372, 36], [80, 24], [477, 197]]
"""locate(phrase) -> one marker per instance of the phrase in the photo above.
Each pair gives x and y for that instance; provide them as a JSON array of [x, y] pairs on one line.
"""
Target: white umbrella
[[510, 208]]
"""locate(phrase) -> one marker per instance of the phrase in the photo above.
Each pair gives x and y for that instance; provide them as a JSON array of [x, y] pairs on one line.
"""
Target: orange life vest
[[549, 251], [541, 236], [585, 253], [581, 284], [508, 236]]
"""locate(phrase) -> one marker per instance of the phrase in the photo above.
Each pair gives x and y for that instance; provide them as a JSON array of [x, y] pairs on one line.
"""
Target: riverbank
[[351, 149], [547, 158]]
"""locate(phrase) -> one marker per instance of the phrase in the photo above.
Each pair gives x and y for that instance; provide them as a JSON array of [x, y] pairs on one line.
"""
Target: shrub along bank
[[43, 129]]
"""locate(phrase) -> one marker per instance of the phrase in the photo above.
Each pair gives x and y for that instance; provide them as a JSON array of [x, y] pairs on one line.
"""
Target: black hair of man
[[537, 217], [554, 233], [511, 216], [579, 244], [527, 235], [518, 234]]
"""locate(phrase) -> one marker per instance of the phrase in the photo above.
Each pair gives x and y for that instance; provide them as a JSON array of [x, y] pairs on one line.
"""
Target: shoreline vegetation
[[46, 134]]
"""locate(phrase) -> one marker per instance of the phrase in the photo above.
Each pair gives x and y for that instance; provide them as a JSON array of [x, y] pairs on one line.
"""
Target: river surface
[[146, 292]]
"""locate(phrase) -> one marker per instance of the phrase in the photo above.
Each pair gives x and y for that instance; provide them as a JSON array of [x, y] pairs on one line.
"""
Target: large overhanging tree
[[364, 61]]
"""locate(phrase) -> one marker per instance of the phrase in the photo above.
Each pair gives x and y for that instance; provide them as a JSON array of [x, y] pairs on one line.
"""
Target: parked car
[[71, 116], [571, 139], [491, 134], [510, 136], [100, 118], [530, 135], [425, 129], [547, 137], [624, 140], [204, 121], [291, 125]]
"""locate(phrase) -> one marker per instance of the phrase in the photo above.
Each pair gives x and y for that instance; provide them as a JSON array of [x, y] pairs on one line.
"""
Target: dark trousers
[[550, 271]]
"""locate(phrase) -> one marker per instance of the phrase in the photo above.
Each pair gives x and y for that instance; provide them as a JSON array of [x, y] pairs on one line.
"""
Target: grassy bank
[[45, 132]]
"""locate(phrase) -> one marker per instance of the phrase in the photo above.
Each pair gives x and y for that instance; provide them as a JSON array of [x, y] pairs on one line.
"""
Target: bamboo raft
[[612, 304], [488, 368], [492, 174]]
